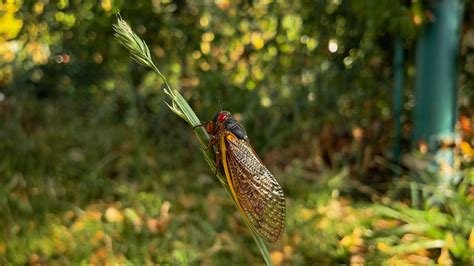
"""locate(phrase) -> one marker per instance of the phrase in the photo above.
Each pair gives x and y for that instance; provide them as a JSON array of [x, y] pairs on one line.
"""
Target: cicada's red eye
[[221, 117]]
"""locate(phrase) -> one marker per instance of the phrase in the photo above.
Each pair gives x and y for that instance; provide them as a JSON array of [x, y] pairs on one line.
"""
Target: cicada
[[258, 195]]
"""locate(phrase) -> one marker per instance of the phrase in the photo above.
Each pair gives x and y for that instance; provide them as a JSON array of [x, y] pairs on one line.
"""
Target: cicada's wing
[[258, 194]]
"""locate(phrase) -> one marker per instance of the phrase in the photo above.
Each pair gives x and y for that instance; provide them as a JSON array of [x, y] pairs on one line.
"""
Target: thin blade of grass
[[416, 246]]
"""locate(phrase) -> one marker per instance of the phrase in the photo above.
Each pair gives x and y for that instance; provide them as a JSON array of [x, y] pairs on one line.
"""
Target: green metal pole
[[398, 77], [435, 83]]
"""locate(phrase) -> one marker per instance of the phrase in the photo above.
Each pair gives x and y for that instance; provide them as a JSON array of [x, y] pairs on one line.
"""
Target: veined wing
[[258, 194]]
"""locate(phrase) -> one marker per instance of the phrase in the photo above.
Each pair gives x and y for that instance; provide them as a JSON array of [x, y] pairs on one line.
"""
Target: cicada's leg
[[212, 142], [218, 162], [201, 125]]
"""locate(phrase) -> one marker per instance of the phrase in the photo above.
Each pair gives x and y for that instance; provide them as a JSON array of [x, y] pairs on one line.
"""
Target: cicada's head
[[217, 122], [221, 117], [223, 120]]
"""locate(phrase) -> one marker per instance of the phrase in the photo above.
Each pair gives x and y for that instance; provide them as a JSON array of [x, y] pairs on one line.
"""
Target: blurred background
[[361, 109]]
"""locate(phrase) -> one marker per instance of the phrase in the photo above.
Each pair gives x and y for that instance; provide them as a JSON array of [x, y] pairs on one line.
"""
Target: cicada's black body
[[232, 125]]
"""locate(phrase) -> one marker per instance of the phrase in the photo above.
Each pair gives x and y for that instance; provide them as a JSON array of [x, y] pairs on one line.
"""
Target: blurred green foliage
[[94, 168], [262, 53]]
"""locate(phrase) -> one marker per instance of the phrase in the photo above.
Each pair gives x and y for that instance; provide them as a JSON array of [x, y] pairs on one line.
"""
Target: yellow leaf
[[449, 241], [38, 7], [113, 215], [357, 260], [205, 47], [384, 247], [78, 225], [346, 241], [471, 239], [466, 148], [93, 215], [288, 251], [106, 5], [385, 224], [99, 236], [306, 214], [223, 4], [445, 258], [10, 6], [3, 249], [10, 26], [277, 257], [257, 40]]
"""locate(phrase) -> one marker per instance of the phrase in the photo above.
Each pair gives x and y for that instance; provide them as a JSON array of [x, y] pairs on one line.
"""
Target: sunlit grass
[[111, 194]]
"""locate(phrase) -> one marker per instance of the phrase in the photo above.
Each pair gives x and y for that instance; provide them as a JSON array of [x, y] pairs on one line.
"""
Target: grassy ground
[[78, 186]]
